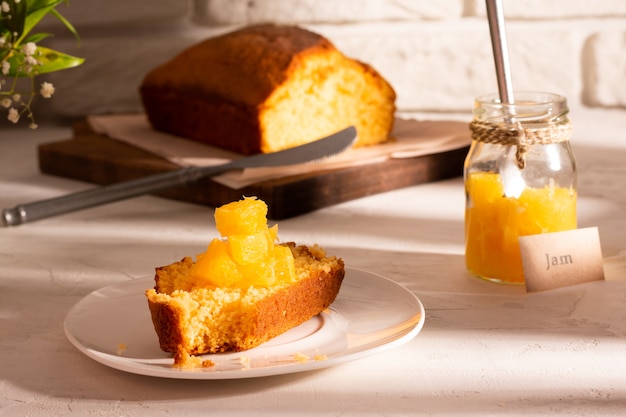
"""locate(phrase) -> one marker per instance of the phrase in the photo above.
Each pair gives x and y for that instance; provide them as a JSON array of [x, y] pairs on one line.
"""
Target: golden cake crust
[[223, 91], [269, 315], [215, 67]]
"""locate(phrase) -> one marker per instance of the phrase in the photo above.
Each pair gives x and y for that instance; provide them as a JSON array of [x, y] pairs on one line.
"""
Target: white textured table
[[485, 349]]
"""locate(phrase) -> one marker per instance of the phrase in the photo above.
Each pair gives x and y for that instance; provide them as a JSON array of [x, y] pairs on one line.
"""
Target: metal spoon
[[511, 175]]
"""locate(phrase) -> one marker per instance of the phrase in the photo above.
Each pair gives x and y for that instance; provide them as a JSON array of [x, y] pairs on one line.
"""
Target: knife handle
[[24, 213]]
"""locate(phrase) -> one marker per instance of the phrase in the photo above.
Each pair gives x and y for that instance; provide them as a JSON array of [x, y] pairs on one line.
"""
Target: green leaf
[[66, 22], [35, 14], [38, 9], [52, 60], [36, 38]]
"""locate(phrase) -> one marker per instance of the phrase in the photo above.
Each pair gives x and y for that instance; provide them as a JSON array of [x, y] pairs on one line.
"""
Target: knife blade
[[313, 151]]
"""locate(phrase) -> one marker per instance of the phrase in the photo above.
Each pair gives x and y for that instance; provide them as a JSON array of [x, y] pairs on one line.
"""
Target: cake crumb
[[190, 363], [121, 348], [183, 360], [300, 357]]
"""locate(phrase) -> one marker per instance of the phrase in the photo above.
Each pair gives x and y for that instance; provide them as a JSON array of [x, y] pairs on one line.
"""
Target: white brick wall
[[437, 54], [226, 12]]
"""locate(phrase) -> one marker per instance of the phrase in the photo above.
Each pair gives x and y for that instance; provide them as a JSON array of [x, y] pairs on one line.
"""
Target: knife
[[308, 152]]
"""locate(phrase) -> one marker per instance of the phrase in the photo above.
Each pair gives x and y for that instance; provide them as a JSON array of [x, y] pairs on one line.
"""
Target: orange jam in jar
[[494, 223], [520, 179]]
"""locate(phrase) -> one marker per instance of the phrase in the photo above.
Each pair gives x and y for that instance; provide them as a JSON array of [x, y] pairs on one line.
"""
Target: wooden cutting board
[[95, 158]]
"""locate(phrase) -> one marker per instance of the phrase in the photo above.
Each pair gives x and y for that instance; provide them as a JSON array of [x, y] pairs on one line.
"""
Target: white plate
[[371, 314]]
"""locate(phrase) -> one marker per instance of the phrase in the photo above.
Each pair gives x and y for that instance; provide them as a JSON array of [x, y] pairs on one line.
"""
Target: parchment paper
[[410, 138]]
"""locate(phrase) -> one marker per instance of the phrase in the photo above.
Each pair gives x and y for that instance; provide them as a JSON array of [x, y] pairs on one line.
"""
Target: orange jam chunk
[[250, 249], [247, 255], [241, 217], [216, 266], [494, 223], [283, 264]]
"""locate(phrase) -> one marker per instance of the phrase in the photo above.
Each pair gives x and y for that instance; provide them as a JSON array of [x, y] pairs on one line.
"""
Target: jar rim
[[529, 107], [523, 98]]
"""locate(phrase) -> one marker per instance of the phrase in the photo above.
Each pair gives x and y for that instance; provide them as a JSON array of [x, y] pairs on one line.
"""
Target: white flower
[[6, 102], [13, 116], [47, 89], [17, 97], [4, 7], [29, 48], [30, 61], [6, 66]]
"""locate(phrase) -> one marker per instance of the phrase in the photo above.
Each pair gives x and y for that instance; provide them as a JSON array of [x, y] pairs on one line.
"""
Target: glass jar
[[520, 179]]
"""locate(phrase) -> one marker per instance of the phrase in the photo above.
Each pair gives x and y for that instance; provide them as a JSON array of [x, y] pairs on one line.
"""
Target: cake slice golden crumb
[[243, 291]]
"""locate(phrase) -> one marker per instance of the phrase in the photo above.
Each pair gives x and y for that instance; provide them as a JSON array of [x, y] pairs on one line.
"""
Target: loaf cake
[[267, 87], [243, 291]]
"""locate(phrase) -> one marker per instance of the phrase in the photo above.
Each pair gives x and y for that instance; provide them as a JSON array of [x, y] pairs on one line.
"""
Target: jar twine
[[521, 137]]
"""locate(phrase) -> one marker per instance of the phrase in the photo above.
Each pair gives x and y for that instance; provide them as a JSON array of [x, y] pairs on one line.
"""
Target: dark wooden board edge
[[100, 160]]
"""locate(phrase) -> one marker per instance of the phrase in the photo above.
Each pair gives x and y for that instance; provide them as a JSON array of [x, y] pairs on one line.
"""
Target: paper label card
[[560, 259]]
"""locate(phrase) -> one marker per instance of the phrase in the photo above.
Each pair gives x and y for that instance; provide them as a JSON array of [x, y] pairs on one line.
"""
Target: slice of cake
[[266, 88], [243, 291]]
